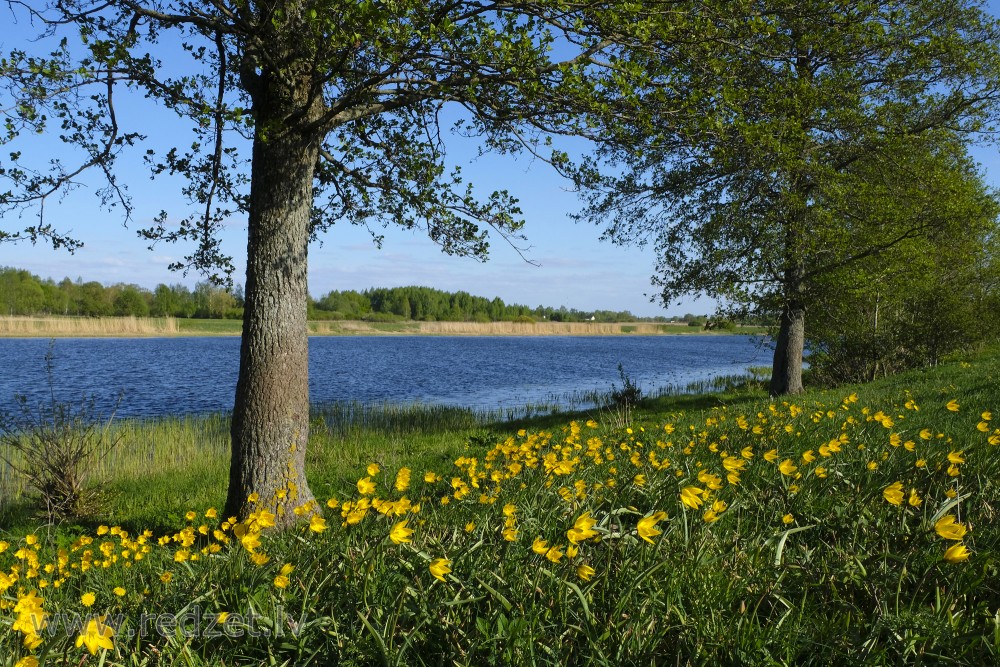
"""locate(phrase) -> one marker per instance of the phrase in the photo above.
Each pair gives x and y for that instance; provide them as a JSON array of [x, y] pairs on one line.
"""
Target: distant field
[[170, 326]]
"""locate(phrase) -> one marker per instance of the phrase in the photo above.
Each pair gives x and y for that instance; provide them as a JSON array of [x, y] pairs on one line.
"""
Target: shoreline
[[169, 327]]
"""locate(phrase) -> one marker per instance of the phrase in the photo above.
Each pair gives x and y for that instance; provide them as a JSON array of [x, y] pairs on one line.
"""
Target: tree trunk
[[786, 375], [270, 426]]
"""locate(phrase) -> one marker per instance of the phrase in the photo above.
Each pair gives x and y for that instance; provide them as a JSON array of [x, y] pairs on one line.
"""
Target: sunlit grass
[[849, 526]]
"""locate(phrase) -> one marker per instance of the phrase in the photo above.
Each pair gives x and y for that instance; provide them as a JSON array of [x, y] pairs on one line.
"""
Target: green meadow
[[854, 525]]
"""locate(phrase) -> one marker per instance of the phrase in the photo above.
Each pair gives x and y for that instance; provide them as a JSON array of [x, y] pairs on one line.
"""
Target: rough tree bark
[[786, 373], [786, 376], [270, 426]]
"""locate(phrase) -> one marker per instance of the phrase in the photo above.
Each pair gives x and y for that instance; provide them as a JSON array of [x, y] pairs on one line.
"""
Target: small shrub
[[52, 446]]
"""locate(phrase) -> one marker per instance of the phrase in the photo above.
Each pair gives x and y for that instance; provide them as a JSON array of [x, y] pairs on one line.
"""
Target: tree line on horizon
[[23, 293]]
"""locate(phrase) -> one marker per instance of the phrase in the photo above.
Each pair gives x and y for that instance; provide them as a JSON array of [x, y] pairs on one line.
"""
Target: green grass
[[210, 327], [807, 562]]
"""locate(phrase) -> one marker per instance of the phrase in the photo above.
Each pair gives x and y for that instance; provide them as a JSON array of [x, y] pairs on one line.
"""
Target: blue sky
[[571, 266]]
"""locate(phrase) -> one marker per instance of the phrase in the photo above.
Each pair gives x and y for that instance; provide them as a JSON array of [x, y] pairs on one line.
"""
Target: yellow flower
[[582, 529], [265, 519], [400, 533], [88, 599], [554, 554], [926, 434], [510, 534], [647, 526], [540, 546], [403, 479], [771, 455], [366, 486], [956, 457], [440, 567], [956, 553], [952, 405], [373, 469], [253, 497], [221, 617], [282, 581], [119, 591], [166, 577], [317, 524], [691, 496], [893, 493], [211, 513], [585, 572], [96, 635], [27, 661], [190, 516], [949, 528], [787, 467], [787, 519]]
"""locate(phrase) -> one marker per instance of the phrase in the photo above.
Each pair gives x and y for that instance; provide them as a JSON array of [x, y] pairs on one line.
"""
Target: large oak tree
[[340, 104], [740, 170]]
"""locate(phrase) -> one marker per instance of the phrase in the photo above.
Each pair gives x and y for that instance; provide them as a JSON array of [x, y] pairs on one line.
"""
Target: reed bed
[[159, 445], [143, 447], [18, 326], [497, 328], [21, 326]]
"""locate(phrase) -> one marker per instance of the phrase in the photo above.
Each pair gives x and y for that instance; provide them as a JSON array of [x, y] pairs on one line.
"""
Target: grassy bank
[[854, 526], [47, 327]]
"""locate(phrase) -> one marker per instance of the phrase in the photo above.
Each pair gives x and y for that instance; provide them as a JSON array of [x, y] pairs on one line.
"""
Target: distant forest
[[22, 293]]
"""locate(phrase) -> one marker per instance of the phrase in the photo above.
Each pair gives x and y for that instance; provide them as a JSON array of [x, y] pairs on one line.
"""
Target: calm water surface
[[194, 375]]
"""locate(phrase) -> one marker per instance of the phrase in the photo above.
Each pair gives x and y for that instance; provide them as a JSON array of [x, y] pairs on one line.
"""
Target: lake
[[158, 376]]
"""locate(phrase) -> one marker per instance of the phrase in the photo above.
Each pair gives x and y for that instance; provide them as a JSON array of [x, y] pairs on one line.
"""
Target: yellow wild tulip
[[893, 493], [949, 528], [647, 526]]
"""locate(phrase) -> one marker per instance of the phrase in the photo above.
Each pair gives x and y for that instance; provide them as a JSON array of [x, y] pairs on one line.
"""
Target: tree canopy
[[776, 140], [301, 113]]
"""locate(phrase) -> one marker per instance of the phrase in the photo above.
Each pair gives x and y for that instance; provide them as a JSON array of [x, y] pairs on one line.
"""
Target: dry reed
[[18, 326], [496, 328]]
